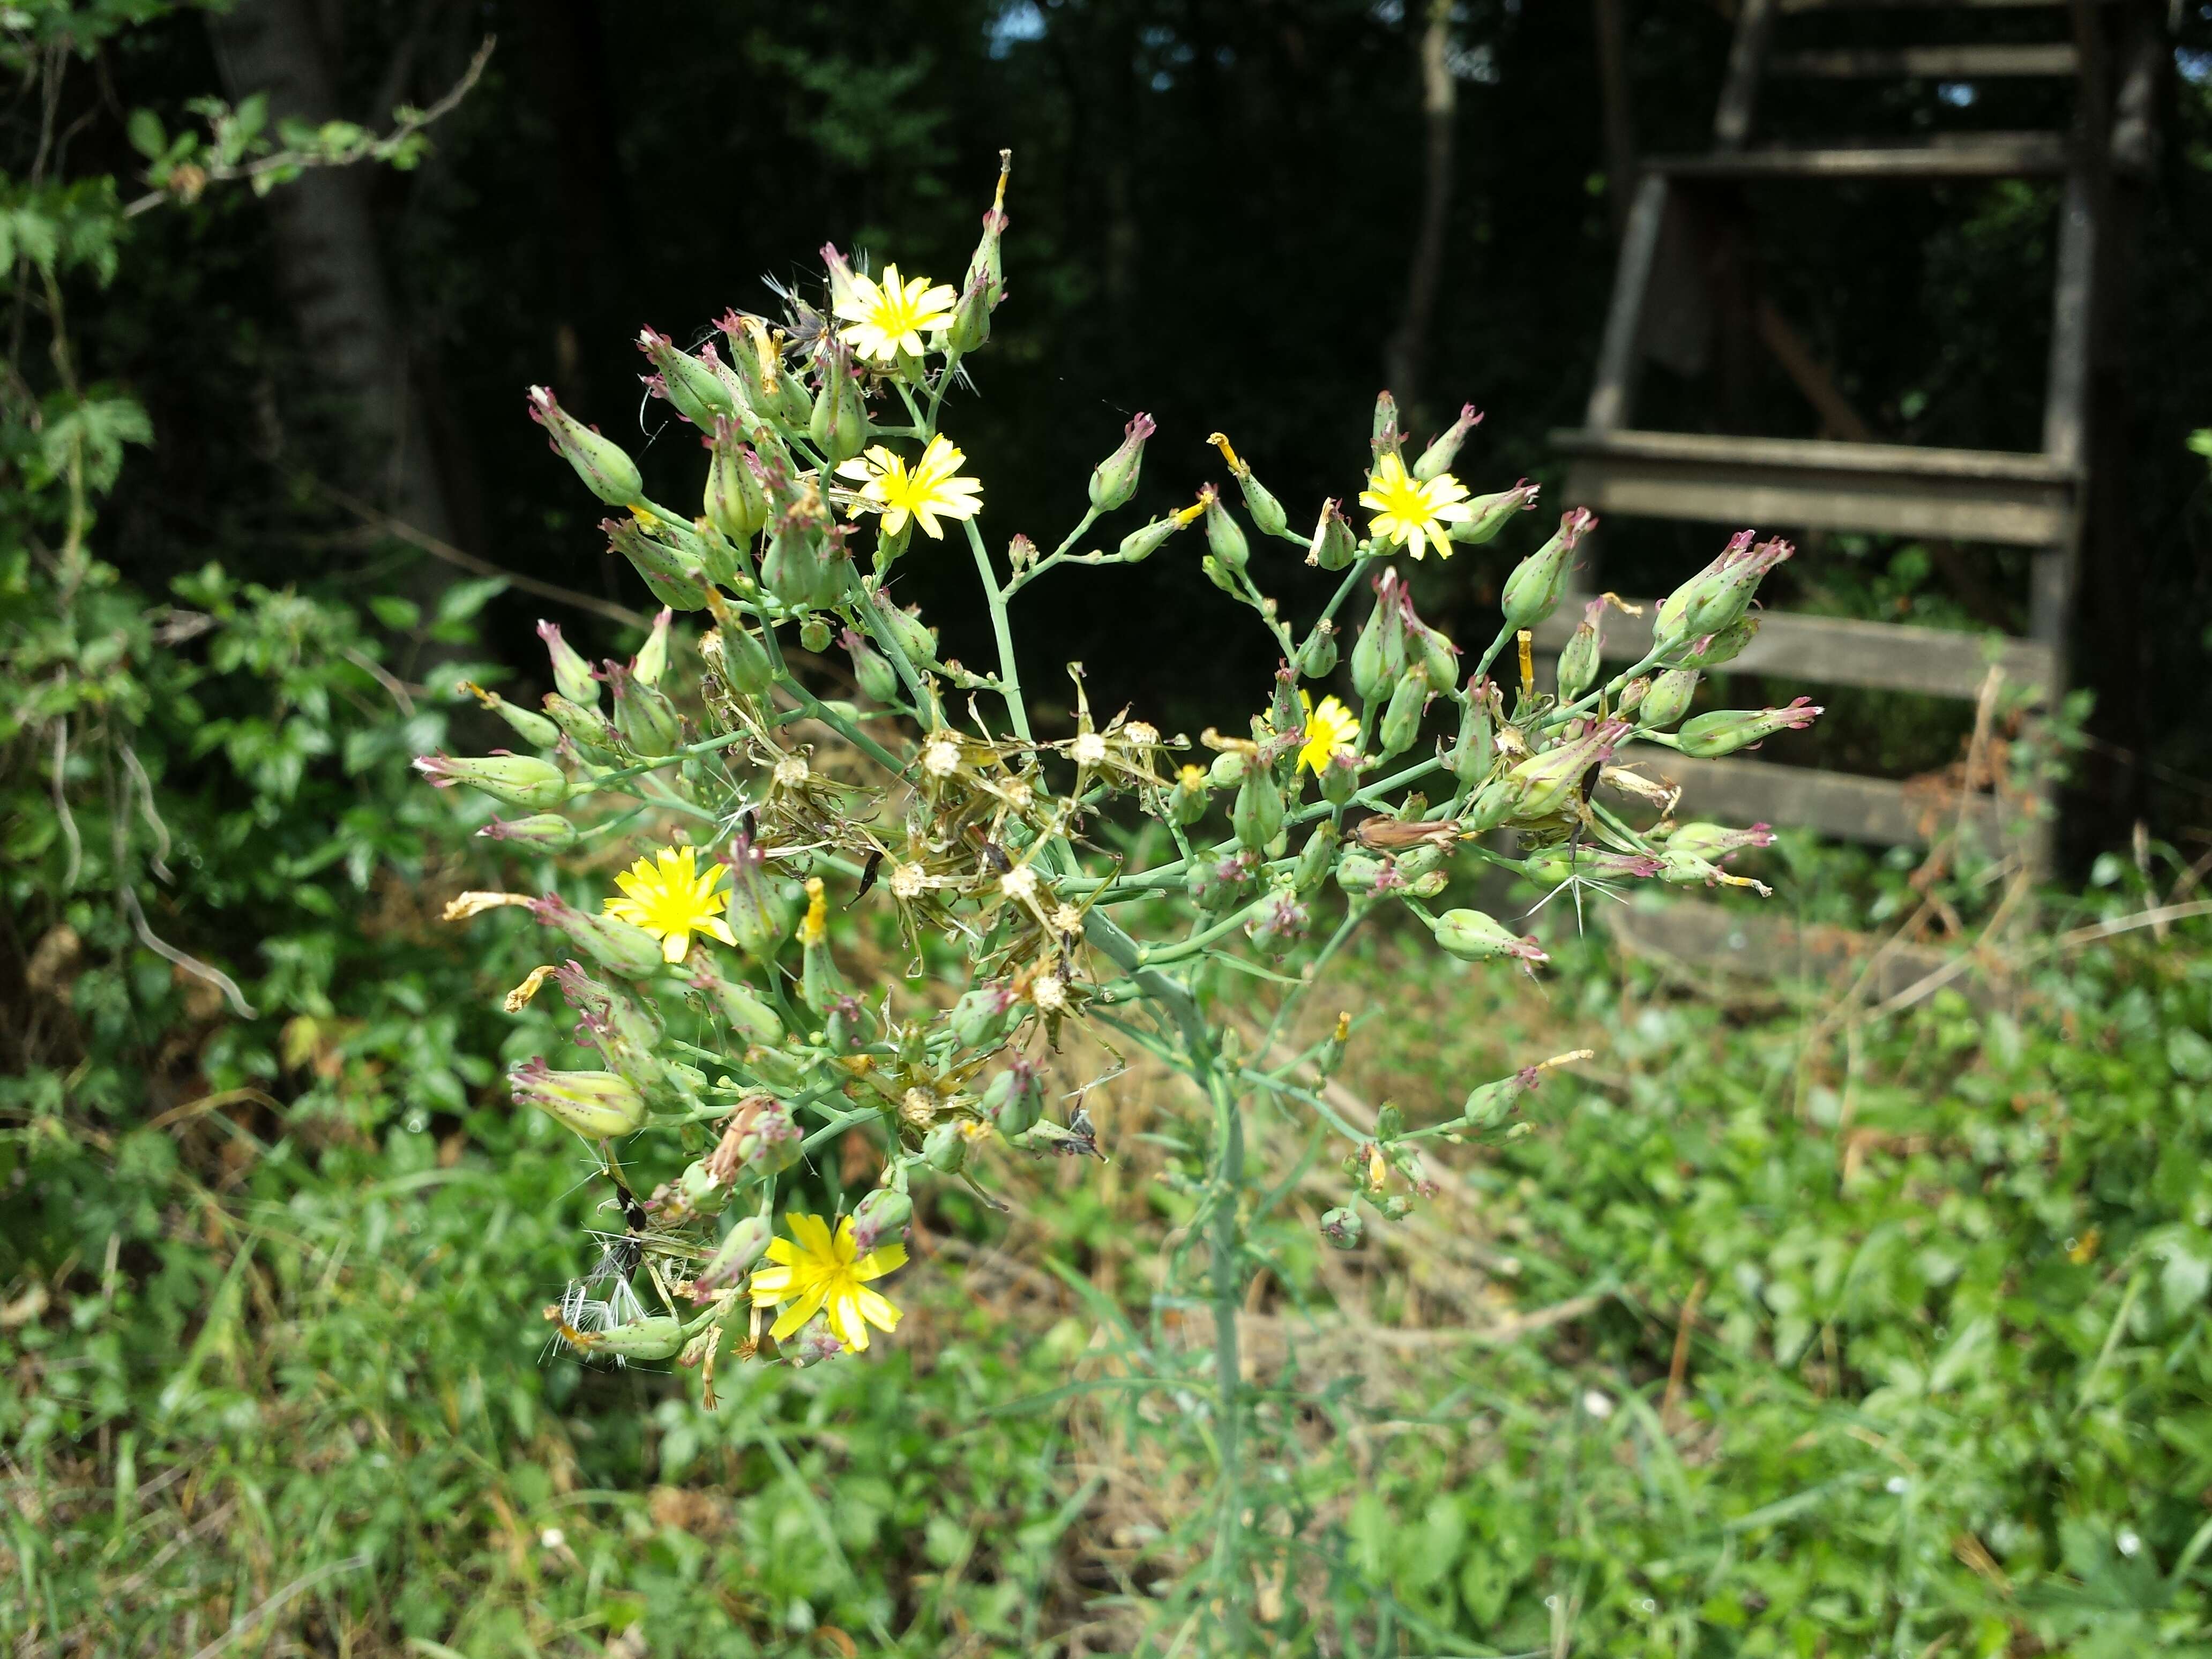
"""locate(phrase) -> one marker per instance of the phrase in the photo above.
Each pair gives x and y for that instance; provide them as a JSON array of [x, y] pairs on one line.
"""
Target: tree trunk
[[328, 269], [1408, 350]]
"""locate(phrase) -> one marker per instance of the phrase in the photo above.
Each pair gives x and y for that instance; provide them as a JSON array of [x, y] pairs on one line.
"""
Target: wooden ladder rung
[[1935, 662], [1787, 484], [1790, 6], [1753, 937], [1977, 156], [1945, 62]]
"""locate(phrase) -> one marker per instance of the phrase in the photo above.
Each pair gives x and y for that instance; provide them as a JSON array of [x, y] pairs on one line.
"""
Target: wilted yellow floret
[[929, 490], [884, 318], [666, 897], [814, 1273], [1415, 516]]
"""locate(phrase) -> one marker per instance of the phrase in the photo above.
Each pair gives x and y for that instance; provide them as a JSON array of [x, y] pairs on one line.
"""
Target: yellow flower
[[1329, 728], [929, 490], [884, 318], [814, 1273], [668, 898], [1415, 516]]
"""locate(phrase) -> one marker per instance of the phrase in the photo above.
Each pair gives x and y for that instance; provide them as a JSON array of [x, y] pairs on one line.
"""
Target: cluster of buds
[[734, 1034]]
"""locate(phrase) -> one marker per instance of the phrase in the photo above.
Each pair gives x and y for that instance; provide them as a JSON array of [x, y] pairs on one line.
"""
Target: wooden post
[[1619, 112]]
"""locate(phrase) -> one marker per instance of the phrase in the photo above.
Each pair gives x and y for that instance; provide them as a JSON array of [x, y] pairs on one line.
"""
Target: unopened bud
[[871, 670], [1547, 780], [572, 675], [592, 732], [1711, 601], [1142, 542], [607, 473], [1314, 859], [882, 1214], [1714, 649], [696, 390], [643, 713], [945, 1148], [745, 668], [1726, 730], [517, 779], [1488, 515], [1257, 817], [1114, 480], [1343, 1228], [741, 1247], [1340, 779], [1224, 537], [533, 729], [735, 501], [1668, 701], [673, 577], [1475, 754], [541, 832], [614, 944], [1578, 657], [986, 1015], [652, 659], [1444, 450], [1386, 436], [1716, 842], [1401, 721], [838, 423], [597, 1105], [1474, 936], [1267, 514], [1185, 802], [1533, 591]]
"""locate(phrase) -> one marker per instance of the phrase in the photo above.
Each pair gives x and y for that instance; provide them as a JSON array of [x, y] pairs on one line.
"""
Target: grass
[[1770, 1331]]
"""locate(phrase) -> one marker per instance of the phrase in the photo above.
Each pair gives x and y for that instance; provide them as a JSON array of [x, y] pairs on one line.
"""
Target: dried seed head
[[940, 757], [1142, 734], [1067, 920], [1049, 991], [1089, 749], [917, 1106], [1019, 883], [790, 771], [907, 881]]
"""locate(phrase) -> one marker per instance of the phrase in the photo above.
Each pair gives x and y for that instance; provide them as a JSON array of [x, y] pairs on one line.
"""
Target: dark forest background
[[1217, 207]]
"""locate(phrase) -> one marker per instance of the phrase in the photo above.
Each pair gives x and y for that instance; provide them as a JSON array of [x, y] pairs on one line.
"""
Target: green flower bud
[[1014, 1100], [541, 832], [760, 1136], [918, 641], [696, 1194], [838, 423], [1474, 755], [1726, 730], [1714, 649], [971, 317], [1401, 721], [1548, 782], [1143, 542], [1488, 515], [671, 577], [1444, 450], [657, 1336], [1218, 574], [735, 501], [572, 675], [645, 717], [1472, 936], [1224, 537], [1342, 1228], [592, 733], [1578, 657], [759, 908], [597, 1105], [820, 984], [1358, 874], [745, 667], [607, 473], [1533, 591], [1228, 768], [776, 1068], [1386, 436], [533, 728], [1716, 842], [1714, 598], [945, 1148], [986, 268], [1267, 512], [1668, 701], [1314, 859], [986, 1015], [1185, 802], [814, 635], [871, 670], [1316, 658], [1340, 779], [1333, 545], [614, 944], [1439, 657], [1114, 480], [751, 1017], [740, 1250], [799, 569], [652, 659], [1492, 806], [517, 779], [882, 1214], [696, 390], [1257, 817]]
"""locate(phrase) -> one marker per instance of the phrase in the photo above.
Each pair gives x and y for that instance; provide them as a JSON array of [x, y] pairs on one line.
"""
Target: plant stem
[[1226, 1238], [1010, 677]]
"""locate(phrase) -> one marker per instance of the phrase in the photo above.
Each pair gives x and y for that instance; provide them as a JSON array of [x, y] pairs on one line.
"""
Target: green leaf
[[400, 616], [2189, 1053], [464, 599], [144, 129]]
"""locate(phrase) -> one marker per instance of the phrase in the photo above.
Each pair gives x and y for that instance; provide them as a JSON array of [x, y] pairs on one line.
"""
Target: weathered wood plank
[[1794, 6], [1743, 938], [1980, 156], [1875, 812], [1945, 62], [1755, 24], [1841, 651]]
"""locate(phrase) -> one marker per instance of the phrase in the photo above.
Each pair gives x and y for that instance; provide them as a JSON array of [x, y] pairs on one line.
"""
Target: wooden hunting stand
[[1684, 274]]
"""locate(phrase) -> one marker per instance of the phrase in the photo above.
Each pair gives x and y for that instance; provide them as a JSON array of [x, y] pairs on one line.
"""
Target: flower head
[[667, 897], [930, 489], [814, 1273], [1414, 514], [1330, 730], [884, 318]]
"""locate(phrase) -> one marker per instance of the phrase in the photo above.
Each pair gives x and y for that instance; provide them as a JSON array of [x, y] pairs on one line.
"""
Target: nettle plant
[[734, 1042]]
